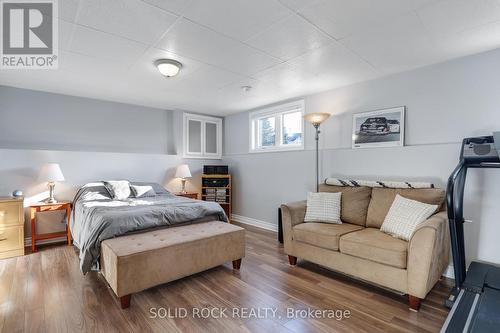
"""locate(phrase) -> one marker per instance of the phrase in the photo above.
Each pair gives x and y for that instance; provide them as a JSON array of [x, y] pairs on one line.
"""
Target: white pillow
[[404, 216], [118, 189], [323, 207], [142, 191]]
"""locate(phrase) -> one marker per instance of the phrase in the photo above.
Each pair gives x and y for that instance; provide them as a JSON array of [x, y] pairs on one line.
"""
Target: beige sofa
[[359, 249]]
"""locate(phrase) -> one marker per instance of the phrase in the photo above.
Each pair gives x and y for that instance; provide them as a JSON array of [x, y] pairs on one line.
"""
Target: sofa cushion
[[354, 202], [382, 199], [374, 245], [325, 235]]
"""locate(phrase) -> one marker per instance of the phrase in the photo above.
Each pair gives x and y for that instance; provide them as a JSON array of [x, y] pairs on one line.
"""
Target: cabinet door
[[194, 137], [202, 137]]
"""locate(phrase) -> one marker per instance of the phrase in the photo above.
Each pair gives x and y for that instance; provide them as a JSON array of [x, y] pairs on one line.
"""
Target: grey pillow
[[118, 189], [142, 191]]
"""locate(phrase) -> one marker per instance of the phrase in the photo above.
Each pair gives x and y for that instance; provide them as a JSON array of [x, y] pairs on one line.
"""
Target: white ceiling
[[282, 48]]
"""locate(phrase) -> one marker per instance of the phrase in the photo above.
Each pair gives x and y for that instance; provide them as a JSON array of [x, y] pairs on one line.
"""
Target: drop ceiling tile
[[470, 41], [174, 6], [208, 77], [341, 18], [98, 44], [239, 19], [131, 19], [68, 9], [453, 16], [335, 62], [290, 38], [297, 5], [194, 41], [90, 66], [401, 44]]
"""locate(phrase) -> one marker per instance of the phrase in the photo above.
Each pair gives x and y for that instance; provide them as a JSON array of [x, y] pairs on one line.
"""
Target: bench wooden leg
[[237, 264], [125, 301], [292, 260], [414, 302]]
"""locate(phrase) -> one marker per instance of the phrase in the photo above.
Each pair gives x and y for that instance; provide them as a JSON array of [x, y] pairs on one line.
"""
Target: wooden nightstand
[[47, 207], [192, 195], [11, 227]]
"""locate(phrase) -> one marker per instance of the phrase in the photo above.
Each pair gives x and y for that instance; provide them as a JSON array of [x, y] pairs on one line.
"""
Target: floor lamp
[[316, 119]]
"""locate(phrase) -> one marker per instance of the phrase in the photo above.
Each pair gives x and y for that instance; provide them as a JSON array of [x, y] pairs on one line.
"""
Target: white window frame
[[203, 120], [277, 111]]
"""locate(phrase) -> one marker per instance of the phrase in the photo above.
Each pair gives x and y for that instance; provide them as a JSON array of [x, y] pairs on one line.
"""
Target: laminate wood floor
[[45, 292]]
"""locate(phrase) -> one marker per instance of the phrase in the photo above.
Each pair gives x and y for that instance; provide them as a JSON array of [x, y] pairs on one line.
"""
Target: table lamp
[[183, 172], [316, 119], [51, 173]]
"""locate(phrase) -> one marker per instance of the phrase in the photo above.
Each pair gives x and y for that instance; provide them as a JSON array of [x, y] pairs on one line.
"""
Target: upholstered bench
[[140, 261]]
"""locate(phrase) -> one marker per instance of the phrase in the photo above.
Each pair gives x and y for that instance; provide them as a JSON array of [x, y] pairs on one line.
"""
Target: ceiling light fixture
[[168, 67]]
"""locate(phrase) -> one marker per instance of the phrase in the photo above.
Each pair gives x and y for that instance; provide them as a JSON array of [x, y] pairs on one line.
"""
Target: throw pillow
[[118, 189], [323, 207], [142, 191], [404, 216]]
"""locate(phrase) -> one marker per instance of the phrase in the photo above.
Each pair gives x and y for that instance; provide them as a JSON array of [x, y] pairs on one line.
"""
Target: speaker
[[215, 170]]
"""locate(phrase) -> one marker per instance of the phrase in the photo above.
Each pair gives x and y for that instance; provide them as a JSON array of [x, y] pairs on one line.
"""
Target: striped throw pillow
[[404, 216], [323, 207]]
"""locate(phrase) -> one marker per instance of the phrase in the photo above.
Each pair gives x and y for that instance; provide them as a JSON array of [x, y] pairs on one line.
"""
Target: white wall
[[445, 103]]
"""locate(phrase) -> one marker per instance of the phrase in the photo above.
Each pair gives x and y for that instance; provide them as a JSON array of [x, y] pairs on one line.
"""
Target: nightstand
[[192, 195], [47, 207], [11, 227]]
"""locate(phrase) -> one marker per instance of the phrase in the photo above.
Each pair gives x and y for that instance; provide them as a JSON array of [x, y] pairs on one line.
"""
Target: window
[[277, 128], [202, 136]]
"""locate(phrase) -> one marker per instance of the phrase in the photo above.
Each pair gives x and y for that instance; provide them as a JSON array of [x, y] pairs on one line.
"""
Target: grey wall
[[38, 120], [445, 103]]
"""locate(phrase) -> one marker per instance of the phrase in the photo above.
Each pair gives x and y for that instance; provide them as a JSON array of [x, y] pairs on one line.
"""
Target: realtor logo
[[29, 34]]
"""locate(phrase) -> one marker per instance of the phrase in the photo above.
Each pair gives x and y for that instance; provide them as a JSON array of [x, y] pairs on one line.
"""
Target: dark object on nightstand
[[49, 207], [280, 227], [215, 170], [192, 195]]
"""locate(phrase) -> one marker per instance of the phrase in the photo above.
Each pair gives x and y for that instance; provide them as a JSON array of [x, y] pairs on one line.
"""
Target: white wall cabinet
[[202, 136]]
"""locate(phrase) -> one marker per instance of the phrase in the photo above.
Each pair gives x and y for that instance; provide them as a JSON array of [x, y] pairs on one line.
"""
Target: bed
[[97, 217]]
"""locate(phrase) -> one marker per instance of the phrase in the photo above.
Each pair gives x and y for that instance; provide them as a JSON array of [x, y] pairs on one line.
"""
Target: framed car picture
[[379, 128]]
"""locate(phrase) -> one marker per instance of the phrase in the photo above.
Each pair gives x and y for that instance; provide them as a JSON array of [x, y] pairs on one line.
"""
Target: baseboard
[[254, 222], [449, 273], [27, 241]]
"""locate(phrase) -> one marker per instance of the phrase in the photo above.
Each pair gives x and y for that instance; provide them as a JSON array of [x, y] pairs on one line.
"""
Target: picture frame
[[379, 128]]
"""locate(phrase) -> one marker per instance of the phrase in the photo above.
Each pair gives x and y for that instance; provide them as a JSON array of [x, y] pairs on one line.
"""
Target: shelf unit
[[213, 182]]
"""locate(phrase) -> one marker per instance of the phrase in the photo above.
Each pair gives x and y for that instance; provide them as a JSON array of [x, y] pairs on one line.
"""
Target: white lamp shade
[[183, 171], [51, 172]]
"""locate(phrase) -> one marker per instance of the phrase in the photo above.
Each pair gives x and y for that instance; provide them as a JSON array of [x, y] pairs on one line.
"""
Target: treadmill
[[475, 299]]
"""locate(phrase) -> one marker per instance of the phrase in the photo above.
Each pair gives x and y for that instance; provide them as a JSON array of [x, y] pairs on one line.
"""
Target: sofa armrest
[[292, 214], [428, 254]]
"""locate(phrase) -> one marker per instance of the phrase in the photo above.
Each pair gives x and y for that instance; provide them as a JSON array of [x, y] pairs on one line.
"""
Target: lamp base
[[183, 190], [51, 198]]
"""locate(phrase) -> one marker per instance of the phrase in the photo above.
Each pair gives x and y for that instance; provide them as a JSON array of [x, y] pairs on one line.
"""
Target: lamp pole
[[316, 119], [316, 126]]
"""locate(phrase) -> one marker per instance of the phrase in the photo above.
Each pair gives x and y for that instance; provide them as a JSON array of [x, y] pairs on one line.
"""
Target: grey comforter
[[97, 217]]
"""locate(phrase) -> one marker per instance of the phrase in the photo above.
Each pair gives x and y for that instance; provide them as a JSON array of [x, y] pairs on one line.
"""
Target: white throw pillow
[[142, 191], [323, 207], [118, 189], [404, 216]]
